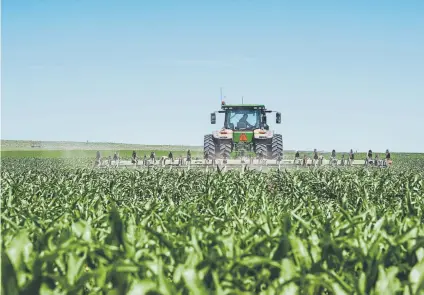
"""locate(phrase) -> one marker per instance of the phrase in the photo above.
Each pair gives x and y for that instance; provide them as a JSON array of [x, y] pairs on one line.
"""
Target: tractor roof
[[243, 106]]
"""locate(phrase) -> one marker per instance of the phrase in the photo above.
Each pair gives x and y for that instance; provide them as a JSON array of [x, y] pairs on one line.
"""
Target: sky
[[343, 74]]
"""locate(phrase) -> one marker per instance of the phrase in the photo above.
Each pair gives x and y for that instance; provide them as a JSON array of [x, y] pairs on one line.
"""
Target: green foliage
[[72, 230], [85, 154]]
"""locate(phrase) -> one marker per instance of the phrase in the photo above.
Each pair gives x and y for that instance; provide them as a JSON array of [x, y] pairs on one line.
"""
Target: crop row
[[68, 230]]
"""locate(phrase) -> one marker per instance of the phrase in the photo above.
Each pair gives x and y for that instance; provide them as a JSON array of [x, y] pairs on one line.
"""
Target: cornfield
[[74, 230]]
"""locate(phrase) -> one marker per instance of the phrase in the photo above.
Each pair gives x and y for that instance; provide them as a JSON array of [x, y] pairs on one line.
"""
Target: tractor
[[245, 129]]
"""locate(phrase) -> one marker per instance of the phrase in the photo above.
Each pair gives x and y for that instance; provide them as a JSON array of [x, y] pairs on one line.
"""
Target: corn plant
[[73, 230]]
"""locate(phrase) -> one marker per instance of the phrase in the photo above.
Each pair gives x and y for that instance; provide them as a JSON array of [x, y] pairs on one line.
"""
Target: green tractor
[[245, 130]]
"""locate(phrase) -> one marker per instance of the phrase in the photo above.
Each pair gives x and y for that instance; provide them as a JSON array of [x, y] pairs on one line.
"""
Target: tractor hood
[[242, 136]]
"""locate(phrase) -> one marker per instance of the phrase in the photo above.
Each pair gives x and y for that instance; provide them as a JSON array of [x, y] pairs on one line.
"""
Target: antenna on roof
[[221, 95], [242, 99]]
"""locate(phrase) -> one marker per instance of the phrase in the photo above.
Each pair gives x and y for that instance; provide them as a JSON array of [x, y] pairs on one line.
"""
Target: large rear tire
[[224, 150], [209, 147], [261, 149], [276, 147]]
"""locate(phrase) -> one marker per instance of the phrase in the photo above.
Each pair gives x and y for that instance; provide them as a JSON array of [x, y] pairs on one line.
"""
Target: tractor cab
[[245, 117]]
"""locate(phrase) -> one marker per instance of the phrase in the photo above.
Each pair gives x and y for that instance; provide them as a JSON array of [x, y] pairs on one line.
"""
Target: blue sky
[[344, 74]]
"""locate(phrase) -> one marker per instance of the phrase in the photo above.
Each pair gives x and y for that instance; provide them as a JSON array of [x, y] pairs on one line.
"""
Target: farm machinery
[[245, 131], [245, 139]]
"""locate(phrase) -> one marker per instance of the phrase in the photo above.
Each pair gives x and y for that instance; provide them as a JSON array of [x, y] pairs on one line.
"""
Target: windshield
[[240, 119]]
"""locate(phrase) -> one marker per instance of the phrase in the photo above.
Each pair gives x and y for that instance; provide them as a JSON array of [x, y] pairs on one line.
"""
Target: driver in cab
[[242, 124]]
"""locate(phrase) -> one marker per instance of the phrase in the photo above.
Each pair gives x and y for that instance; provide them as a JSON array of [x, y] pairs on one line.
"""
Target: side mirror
[[213, 118], [278, 118]]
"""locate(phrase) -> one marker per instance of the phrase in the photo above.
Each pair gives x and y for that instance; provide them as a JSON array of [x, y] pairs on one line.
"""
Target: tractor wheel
[[224, 150], [209, 147], [261, 149], [276, 146]]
